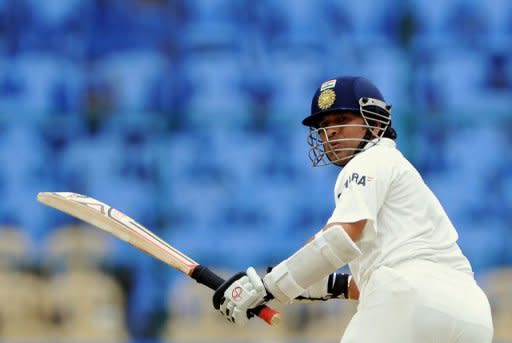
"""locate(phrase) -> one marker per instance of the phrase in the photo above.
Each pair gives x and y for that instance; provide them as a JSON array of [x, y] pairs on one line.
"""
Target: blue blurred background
[[185, 114]]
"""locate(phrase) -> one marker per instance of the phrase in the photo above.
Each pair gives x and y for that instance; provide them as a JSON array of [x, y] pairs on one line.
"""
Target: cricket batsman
[[412, 280]]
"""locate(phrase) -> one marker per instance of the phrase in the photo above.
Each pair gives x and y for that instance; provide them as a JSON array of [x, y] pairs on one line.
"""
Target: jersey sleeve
[[361, 190]]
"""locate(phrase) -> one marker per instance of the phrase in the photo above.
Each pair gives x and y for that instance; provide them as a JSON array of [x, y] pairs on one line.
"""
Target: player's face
[[341, 135]]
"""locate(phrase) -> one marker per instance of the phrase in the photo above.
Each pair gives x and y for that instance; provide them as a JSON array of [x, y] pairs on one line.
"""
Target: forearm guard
[[331, 287]]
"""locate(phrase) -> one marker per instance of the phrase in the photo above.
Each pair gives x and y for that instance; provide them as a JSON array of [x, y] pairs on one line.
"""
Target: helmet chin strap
[[367, 137]]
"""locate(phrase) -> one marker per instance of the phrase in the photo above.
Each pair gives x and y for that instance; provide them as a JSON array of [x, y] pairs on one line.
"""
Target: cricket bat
[[120, 225]]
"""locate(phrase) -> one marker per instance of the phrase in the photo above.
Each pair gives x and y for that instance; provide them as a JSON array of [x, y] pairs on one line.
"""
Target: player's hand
[[238, 295]]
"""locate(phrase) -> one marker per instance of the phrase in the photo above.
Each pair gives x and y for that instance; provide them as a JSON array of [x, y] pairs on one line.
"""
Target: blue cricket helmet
[[341, 94]]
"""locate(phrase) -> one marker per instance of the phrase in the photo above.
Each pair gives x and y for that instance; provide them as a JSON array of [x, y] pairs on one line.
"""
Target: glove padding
[[236, 296]]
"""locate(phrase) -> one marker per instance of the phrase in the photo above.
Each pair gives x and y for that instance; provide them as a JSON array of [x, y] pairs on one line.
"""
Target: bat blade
[[113, 221], [120, 225]]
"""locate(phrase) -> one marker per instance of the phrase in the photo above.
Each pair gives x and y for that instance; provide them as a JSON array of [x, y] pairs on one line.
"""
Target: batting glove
[[238, 295]]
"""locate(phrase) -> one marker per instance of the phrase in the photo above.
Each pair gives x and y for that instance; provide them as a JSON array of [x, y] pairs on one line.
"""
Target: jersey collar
[[387, 142]]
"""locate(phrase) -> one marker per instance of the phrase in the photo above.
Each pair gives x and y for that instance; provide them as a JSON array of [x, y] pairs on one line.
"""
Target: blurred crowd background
[[185, 114]]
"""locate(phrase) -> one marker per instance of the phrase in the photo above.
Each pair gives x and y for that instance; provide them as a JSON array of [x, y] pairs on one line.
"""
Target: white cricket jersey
[[405, 220]]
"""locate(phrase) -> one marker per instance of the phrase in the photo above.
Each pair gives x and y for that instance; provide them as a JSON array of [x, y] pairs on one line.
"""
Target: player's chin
[[341, 163], [340, 159]]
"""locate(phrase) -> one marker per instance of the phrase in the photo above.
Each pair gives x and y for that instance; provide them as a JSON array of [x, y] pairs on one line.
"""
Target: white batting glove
[[243, 292]]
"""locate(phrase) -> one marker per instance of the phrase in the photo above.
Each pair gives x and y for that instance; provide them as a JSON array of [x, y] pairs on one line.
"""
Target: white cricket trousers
[[420, 302]]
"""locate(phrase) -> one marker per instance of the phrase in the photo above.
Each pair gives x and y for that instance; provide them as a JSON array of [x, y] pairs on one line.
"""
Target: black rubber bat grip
[[206, 277]]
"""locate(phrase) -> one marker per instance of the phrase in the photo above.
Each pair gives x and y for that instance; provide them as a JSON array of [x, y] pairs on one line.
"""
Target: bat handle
[[268, 314], [206, 277]]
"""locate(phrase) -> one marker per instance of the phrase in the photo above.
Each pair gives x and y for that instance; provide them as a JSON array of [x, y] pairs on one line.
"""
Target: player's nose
[[332, 132]]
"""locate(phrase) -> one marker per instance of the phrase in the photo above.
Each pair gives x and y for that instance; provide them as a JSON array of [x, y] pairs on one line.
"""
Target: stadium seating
[[186, 115]]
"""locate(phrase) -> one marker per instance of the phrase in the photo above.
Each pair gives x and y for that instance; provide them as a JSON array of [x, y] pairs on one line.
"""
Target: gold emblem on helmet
[[326, 99]]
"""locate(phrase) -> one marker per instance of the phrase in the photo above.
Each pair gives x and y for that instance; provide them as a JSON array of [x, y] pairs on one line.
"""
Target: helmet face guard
[[377, 119]]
